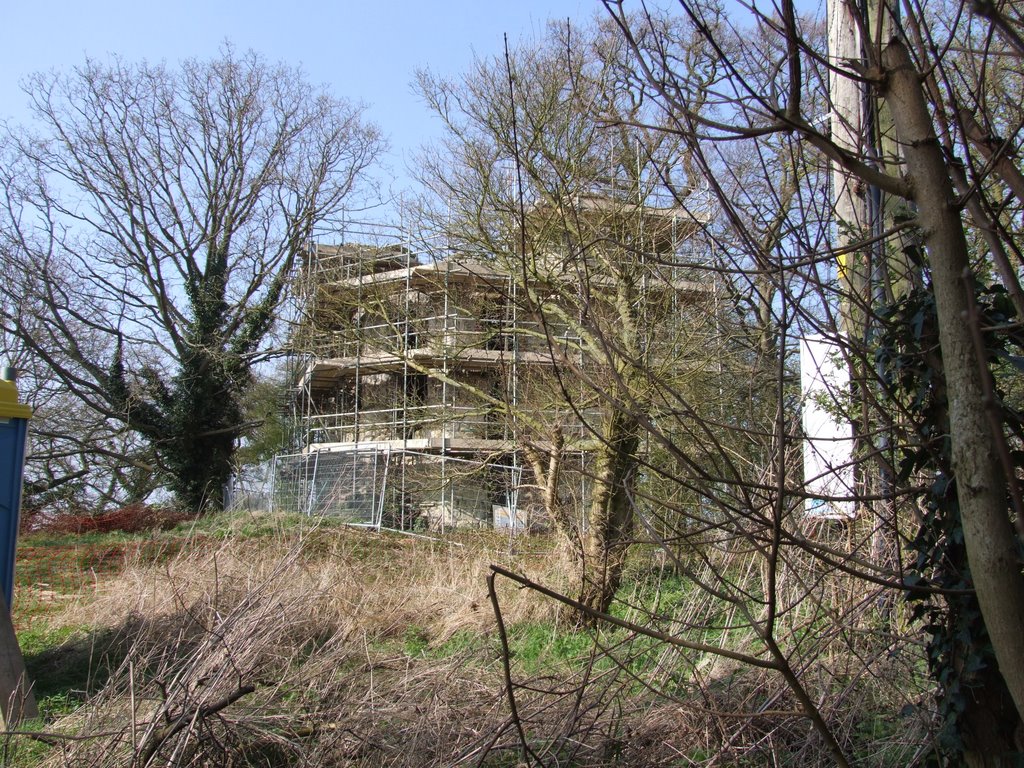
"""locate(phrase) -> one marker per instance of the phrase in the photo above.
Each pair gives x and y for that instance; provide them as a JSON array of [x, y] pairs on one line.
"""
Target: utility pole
[[862, 125], [829, 447], [848, 126], [872, 272]]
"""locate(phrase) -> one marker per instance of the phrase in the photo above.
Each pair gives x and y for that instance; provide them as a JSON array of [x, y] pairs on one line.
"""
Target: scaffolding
[[400, 361], [413, 374]]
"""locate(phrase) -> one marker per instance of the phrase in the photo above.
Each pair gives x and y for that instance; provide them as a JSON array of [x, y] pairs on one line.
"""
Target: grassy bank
[[266, 641]]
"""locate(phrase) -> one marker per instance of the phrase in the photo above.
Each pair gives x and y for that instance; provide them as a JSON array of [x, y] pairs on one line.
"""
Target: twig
[[506, 656], [664, 637], [52, 737], [156, 739]]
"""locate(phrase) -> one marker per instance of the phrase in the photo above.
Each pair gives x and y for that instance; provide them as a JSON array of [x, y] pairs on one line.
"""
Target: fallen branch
[[156, 739]]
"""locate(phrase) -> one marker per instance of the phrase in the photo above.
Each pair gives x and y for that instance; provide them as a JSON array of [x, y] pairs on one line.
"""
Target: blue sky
[[363, 51]]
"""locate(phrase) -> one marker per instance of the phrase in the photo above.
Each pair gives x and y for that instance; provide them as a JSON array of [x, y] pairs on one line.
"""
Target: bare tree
[[716, 481], [530, 181], [150, 228], [921, 273]]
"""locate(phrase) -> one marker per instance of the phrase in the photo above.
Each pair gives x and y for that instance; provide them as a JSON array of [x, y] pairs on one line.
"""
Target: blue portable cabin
[[14, 418]]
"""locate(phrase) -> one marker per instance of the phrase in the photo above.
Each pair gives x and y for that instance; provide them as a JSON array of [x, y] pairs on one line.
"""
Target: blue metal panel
[[12, 461]]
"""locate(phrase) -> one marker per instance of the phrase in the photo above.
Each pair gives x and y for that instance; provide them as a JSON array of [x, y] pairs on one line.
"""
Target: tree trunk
[[204, 420], [546, 463], [981, 485], [610, 523]]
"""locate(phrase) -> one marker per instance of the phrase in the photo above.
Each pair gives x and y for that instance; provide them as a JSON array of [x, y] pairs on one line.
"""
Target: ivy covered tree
[[149, 228]]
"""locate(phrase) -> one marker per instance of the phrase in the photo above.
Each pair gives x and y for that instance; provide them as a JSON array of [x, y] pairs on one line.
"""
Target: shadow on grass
[[68, 665]]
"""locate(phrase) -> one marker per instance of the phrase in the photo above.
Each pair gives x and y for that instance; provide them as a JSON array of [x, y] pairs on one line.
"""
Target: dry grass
[[331, 647], [358, 584], [289, 649]]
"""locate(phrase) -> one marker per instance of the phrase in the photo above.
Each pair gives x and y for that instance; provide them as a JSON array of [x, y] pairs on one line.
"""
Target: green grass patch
[[652, 593], [462, 643], [252, 525], [84, 540], [68, 664], [415, 641], [23, 751], [541, 647], [37, 640]]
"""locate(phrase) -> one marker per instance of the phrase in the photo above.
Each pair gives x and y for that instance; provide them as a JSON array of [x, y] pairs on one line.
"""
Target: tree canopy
[[550, 171], [149, 227]]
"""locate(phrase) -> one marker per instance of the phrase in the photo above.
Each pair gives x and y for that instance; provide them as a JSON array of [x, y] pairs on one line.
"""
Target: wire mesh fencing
[[377, 487]]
